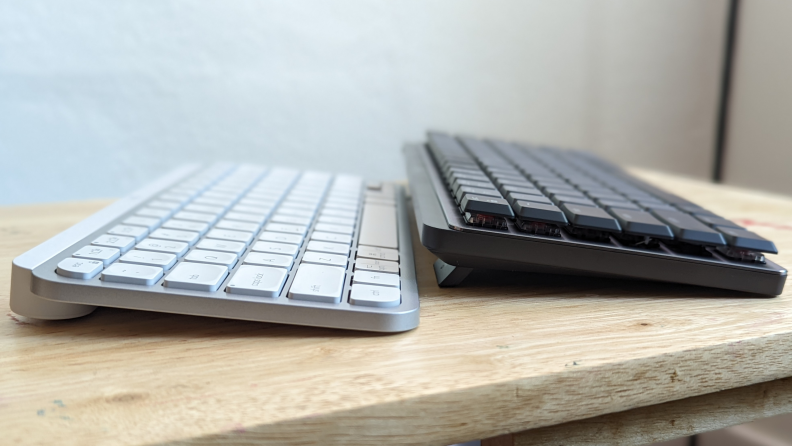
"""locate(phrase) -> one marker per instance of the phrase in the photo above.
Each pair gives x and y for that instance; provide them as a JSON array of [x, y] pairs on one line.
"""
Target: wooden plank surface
[[504, 353]]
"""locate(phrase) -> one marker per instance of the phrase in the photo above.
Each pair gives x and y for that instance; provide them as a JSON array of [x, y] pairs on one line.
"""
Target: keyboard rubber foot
[[449, 275]]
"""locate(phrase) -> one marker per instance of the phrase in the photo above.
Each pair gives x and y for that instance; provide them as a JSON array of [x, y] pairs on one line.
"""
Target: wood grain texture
[[667, 421], [504, 353]]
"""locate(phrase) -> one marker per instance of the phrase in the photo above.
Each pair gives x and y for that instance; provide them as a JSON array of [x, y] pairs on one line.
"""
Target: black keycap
[[605, 195], [656, 206], [568, 191], [641, 223], [558, 199], [590, 217], [618, 204], [740, 238], [688, 229], [516, 183], [478, 204], [476, 191], [719, 221], [546, 213], [525, 189], [468, 176], [511, 197], [459, 183]]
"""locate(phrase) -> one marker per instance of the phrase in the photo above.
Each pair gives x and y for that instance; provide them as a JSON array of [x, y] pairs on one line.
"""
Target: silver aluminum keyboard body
[[376, 294]]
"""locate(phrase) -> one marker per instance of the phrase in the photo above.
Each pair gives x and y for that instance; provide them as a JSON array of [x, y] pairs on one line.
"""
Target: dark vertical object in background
[[726, 76]]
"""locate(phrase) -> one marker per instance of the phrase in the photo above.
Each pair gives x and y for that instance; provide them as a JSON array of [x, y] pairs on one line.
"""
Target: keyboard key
[[147, 222], [79, 268], [159, 214], [377, 228], [275, 248], [269, 259], [286, 229], [331, 237], [375, 278], [641, 223], [540, 212], [196, 216], [590, 218], [321, 258], [295, 212], [384, 266], [237, 225], [184, 225], [571, 199], [688, 229], [256, 210], [290, 219], [169, 246], [373, 252], [227, 259], [196, 276], [188, 237], [103, 254], [719, 222], [257, 281], [318, 283], [119, 242], [740, 238], [150, 258], [137, 232], [280, 237], [512, 197], [132, 274], [228, 234], [204, 208], [338, 229], [338, 213], [476, 204], [618, 204], [328, 247], [374, 296], [221, 245], [258, 219], [212, 202], [336, 220]]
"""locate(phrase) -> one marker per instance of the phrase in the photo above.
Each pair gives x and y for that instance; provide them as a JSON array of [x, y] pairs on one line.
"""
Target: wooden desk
[[505, 353]]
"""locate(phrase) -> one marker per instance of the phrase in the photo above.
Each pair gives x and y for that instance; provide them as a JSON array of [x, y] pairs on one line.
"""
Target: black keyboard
[[500, 205]]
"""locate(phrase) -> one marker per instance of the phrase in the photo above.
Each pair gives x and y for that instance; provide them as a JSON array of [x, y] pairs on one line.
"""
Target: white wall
[[97, 97], [759, 144]]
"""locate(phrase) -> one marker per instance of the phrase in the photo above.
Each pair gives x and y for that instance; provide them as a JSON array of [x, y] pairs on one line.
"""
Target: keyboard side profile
[[235, 241], [497, 205]]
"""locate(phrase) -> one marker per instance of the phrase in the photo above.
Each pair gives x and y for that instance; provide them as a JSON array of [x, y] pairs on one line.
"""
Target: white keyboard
[[235, 241]]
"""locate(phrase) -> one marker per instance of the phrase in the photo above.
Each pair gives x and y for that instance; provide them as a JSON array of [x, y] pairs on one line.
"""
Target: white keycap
[[168, 246], [328, 247], [248, 209], [339, 213], [184, 225], [318, 283], [258, 204], [374, 296], [237, 225], [290, 219], [323, 258], [378, 227], [79, 268], [212, 202], [341, 207], [147, 222], [336, 220], [245, 217], [268, 259], [339, 229], [375, 278], [228, 234], [298, 206], [384, 266], [204, 208], [373, 252], [196, 276], [275, 248], [132, 274], [138, 232], [115, 241], [280, 237], [196, 216], [150, 258], [295, 212], [221, 245], [220, 195], [257, 281], [101, 253], [380, 201], [287, 229], [227, 259], [157, 213], [171, 205], [330, 237], [342, 201], [188, 237], [176, 197]]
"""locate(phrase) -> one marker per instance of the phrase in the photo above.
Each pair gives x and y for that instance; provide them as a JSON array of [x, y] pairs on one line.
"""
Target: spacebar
[[379, 226]]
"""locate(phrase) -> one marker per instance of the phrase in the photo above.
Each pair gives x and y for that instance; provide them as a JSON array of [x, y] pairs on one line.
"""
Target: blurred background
[[97, 97]]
